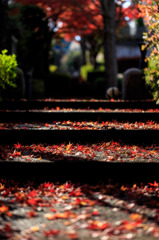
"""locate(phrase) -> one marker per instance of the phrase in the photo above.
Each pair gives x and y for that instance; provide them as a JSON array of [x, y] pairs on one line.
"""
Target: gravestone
[[133, 85]]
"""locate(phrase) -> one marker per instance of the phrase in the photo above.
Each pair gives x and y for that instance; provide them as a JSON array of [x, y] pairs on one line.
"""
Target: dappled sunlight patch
[[104, 211], [102, 151], [82, 125]]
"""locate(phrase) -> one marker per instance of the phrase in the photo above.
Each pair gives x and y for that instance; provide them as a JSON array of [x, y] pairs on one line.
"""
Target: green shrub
[[152, 77], [101, 68], [88, 70], [99, 80], [92, 76], [85, 69], [8, 71], [53, 68]]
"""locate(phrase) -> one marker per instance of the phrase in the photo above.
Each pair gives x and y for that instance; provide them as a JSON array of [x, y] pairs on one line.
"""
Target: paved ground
[[74, 211], [109, 151]]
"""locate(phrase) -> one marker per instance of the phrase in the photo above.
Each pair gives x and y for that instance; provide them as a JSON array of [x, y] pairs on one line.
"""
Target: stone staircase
[[43, 113]]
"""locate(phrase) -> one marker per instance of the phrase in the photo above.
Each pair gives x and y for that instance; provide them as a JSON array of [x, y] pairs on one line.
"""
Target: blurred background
[[68, 49]]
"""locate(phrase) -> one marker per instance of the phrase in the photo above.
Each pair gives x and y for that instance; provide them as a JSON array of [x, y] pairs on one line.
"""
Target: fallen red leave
[[72, 235], [3, 209], [98, 225], [106, 151], [31, 214], [155, 184], [51, 232], [58, 202], [83, 125]]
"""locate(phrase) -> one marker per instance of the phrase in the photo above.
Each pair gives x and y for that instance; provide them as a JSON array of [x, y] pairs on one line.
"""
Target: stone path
[[57, 127], [94, 183]]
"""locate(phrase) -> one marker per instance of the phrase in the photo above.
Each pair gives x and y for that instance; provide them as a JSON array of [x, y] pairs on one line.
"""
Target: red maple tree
[[80, 17], [90, 19]]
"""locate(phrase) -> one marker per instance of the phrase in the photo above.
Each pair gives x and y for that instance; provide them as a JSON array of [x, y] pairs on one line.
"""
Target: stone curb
[[86, 171], [95, 104], [46, 116], [78, 136]]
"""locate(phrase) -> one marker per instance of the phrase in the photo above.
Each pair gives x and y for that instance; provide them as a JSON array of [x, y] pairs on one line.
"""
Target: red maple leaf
[[31, 214], [18, 145], [155, 184], [51, 232]]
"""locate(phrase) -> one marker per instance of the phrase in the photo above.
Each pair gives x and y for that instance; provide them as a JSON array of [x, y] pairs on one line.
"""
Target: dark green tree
[[4, 27], [30, 26], [35, 40]]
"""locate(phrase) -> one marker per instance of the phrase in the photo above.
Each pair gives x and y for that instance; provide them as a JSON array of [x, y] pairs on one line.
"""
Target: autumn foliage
[[77, 17], [72, 210], [82, 17], [149, 10]]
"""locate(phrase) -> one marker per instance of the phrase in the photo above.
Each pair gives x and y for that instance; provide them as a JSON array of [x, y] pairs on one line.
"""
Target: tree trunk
[[4, 29], [108, 12]]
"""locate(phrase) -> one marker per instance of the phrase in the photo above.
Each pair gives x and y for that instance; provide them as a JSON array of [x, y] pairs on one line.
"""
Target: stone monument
[[133, 85]]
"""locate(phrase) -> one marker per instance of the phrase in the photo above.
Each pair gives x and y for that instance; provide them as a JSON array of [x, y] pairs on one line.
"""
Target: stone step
[[75, 103], [49, 116], [90, 171], [25, 136]]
